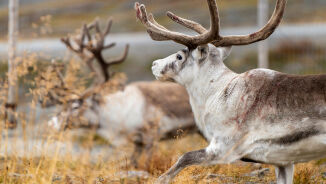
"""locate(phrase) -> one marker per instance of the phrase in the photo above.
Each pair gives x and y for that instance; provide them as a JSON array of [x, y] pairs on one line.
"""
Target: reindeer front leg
[[200, 157], [138, 148], [221, 150]]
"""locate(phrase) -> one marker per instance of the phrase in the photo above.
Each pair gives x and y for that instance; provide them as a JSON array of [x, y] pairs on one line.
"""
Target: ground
[[53, 167]]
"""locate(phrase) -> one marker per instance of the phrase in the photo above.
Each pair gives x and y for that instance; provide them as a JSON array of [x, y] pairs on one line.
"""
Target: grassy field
[[82, 169]]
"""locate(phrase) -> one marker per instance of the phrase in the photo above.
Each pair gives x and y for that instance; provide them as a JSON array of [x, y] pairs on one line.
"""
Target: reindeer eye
[[179, 57]]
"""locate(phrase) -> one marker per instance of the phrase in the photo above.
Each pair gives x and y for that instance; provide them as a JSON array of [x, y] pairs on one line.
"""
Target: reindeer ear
[[202, 52], [225, 52]]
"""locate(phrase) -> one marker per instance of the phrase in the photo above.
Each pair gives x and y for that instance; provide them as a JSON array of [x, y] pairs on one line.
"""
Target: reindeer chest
[[213, 119]]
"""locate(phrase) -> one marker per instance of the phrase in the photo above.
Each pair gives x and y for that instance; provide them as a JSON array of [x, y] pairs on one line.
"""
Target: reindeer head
[[183, 66], [204, 50], [79, 111], [83, 110]]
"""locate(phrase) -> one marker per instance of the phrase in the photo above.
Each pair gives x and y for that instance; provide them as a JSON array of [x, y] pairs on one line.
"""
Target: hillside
[[69, 15]]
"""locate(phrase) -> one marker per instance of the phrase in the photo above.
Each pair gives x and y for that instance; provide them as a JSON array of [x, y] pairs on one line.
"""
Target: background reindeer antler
[[90, 46], [53, 85]]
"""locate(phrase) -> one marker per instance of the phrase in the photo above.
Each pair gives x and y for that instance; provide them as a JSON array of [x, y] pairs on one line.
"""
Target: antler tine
[[215, 19], [260, 35], [120, 59], [67, 42], [98, 41], [108, 27], [151, 19], [187, 23], [91, 25], [97, 26], [109, 46], [100, 37], [86, 29], [106, 64], [82, 38], [158, 33], [78, 40]]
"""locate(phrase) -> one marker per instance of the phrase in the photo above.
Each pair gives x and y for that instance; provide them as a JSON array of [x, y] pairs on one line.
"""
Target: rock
[[71, 179], [99, 180], [56, 177], [323, 174], [213, 176], [20, 175], [222, 178], [133, 174], [260, 173]]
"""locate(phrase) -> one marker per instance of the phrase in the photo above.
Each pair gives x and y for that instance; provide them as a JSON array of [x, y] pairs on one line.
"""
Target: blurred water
[[142, 46], [143, 50]]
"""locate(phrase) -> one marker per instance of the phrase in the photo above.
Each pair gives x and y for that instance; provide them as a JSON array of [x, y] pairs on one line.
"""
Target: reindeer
[[260, 115], [144, 111]]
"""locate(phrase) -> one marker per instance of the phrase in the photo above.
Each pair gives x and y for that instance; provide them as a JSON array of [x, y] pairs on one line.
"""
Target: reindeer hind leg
[[149, 150], [284, 174]]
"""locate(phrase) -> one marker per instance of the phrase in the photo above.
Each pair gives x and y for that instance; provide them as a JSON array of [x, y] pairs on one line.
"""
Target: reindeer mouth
[[160, 75], [164, 78], [169, 80]]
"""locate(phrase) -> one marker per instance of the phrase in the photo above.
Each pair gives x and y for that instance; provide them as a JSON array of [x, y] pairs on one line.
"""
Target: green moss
[[95, 139], [99, 140], [320, 162]]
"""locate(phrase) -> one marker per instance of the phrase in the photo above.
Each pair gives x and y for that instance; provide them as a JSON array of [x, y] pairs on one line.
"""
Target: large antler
[[160, 33], [94, 46]]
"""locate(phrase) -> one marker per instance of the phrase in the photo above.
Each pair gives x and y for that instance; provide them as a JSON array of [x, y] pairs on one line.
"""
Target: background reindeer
[[143, 111], [260, 116]]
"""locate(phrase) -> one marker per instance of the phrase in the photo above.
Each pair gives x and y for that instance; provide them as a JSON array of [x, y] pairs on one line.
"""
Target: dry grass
[[70, 168]]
